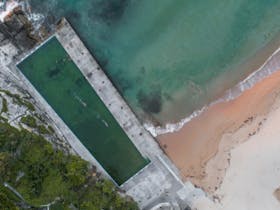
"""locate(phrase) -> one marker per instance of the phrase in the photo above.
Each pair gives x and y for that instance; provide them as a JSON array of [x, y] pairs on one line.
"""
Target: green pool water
[[60, 82]]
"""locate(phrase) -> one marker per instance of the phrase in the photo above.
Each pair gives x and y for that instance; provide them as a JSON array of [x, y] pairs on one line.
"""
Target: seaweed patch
[[150, 103], [109, 11]]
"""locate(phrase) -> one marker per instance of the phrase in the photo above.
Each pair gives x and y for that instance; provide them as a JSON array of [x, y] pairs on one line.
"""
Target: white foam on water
[[271, 65], [171, 127], [265, 70], [10, 6], [35, 18]]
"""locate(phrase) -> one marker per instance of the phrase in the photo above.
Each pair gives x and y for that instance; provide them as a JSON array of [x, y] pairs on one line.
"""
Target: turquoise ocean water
[[171, 57]]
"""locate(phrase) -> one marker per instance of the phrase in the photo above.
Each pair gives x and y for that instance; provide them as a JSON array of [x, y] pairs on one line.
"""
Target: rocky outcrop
[[17, 29]]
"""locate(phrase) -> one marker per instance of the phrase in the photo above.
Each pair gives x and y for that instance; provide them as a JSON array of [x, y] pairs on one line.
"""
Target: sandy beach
[[202, 148], [252, 178]]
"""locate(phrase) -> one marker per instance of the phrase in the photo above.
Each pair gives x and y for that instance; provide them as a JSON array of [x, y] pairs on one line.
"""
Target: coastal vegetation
[[80, 108], [4, 105], [42, 174], [17, 99], [29, 121]]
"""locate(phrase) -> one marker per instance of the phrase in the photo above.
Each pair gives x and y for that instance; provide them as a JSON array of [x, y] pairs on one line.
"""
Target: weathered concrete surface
[[11, 82], [59, 126], [158, 182], [160, 179]]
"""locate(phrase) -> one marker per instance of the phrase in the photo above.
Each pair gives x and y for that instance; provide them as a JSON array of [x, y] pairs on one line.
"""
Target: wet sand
[[201, 149], [252, 179]]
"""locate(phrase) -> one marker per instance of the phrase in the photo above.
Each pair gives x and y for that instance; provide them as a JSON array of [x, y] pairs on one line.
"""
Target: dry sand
[[202, 148], [253, 178]]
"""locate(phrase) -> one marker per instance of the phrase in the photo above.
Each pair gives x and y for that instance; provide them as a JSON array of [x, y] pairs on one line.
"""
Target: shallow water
[[169, 58]]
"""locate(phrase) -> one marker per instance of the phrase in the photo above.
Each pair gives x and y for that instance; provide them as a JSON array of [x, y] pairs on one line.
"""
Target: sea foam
[[35, 18], [271, 65]]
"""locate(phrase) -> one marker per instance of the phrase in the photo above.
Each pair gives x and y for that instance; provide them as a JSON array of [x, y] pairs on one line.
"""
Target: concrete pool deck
[[159, 181]]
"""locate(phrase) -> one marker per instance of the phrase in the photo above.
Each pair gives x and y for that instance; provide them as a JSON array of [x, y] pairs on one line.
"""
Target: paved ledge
[[159, 181]]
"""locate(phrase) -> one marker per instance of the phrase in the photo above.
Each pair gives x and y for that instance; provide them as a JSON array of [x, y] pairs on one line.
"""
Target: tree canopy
[[42, 174]]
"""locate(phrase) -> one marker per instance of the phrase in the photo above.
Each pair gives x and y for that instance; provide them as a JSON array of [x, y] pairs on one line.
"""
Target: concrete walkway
[[158, 182]]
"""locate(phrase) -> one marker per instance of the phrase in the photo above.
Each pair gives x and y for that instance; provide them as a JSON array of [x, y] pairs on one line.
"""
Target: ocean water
[[169, 58]]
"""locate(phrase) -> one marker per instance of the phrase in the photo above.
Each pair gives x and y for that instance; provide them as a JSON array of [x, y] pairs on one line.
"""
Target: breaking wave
[[271, 65], [35, 18]]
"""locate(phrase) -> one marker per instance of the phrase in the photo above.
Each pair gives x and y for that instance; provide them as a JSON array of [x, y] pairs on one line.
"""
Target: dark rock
[[2, 37], [19, 38], [24, 41], [19, 30], [14, 24]]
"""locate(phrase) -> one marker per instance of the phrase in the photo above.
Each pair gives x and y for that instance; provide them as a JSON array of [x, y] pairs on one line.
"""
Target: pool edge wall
[[119, 182]]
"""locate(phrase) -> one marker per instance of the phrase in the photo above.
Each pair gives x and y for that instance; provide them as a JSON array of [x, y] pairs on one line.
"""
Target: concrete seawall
[[159, 181]]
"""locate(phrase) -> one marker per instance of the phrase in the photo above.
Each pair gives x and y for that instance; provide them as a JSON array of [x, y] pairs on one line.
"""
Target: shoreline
[[254, 168], [259, 61], [226, 125]]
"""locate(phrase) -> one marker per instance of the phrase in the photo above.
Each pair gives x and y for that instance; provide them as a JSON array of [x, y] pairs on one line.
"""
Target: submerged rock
[[152, 102]]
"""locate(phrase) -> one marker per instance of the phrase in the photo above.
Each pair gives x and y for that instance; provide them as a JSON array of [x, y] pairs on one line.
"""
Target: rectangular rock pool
[[56, 77]]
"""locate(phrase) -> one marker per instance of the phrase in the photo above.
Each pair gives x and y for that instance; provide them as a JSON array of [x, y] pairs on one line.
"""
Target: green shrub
[[18, 100], [43, 130], [28, 105], [50, 174], [6, 203], [4, 105], [51, 129], [29, 121]]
